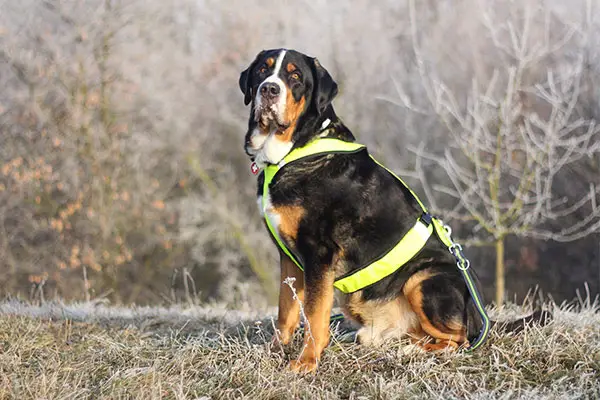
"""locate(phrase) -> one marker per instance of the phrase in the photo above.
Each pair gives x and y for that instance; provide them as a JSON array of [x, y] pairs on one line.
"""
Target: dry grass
[[95, 351]]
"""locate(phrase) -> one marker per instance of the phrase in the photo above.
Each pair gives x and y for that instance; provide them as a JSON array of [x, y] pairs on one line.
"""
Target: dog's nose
[[270, 90]]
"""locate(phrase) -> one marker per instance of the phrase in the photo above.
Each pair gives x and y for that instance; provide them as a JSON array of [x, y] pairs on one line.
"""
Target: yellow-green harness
[[408, 247]]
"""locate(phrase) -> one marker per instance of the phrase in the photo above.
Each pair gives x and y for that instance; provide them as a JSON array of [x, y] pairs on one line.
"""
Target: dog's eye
[[295, 76], [263, 69]]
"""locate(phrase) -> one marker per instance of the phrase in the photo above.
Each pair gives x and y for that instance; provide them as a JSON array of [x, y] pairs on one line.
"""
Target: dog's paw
[[279, 341], [304, 365], [442, 346]]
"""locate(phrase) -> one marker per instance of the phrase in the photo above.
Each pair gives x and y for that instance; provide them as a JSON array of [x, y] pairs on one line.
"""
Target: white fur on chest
[[272, 150], [259, 203], [257, 140], [267, 211]]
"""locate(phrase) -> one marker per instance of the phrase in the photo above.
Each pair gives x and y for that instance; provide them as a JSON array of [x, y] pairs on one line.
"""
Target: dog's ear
[[325, 88], [246, 79]]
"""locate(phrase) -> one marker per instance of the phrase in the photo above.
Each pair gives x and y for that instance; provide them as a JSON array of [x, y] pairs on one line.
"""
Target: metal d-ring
[[464, 261]]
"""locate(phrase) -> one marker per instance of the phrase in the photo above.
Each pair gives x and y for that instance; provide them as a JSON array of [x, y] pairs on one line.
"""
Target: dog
[[338, 212]]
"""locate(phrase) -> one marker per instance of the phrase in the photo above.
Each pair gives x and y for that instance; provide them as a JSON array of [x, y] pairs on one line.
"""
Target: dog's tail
[[539, 317]]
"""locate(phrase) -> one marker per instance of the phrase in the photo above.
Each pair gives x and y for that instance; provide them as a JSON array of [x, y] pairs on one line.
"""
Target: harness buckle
[[426, 218]]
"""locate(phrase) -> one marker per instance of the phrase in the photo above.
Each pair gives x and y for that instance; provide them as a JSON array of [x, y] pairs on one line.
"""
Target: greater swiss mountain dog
[[338, 212]]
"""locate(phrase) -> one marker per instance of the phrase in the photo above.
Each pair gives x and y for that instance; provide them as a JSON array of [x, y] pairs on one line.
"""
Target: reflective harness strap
[[414, 240], [400, 254]]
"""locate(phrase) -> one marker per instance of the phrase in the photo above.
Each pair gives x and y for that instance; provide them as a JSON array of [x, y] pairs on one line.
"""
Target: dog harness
[[408, 246]]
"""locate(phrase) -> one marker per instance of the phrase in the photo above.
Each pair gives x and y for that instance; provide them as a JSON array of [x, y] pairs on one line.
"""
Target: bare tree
[[512, 136]]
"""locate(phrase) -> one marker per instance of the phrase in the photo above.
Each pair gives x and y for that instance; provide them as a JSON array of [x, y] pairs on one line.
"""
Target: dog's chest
[[267, 211], [283, 220]]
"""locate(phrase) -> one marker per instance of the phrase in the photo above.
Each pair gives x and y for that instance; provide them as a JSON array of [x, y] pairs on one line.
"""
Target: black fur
[[245, 80]]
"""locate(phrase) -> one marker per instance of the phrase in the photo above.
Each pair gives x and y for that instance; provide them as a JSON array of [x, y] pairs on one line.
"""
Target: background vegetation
[[122, 174]]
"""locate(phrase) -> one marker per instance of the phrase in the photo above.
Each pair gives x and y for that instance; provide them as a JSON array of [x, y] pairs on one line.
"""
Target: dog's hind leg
[[438, 300]]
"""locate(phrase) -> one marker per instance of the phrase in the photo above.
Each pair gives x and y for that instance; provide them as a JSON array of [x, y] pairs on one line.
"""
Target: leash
[[463, 265]]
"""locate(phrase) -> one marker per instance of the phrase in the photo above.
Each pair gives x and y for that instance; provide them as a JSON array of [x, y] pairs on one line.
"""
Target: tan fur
[[290, 217], [319, 301], [440, 345], [451, 333], [415, 281], [292, 112]]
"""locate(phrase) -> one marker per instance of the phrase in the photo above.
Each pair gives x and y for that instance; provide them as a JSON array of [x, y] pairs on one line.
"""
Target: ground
[[95, 351]]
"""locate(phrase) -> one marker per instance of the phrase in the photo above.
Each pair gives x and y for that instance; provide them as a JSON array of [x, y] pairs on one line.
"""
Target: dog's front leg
[[288, 317], [318, 304]]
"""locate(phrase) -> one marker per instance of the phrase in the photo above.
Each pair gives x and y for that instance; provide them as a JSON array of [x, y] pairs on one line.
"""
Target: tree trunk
[[500, 271]]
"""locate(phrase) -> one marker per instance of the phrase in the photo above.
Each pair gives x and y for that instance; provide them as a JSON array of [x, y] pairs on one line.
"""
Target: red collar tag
[[254, 168]]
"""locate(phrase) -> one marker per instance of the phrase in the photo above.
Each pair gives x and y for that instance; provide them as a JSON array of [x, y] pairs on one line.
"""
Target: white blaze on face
[[279, 107], [266, 147]]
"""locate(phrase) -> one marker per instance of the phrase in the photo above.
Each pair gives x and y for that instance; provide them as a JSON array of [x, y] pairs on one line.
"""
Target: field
[[97, 351]]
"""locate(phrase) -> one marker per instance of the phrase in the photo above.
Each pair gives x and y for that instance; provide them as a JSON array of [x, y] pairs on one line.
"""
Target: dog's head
[[290, 94]]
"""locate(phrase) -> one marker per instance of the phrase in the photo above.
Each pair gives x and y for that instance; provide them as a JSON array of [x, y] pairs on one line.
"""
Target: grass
[[95, 351]]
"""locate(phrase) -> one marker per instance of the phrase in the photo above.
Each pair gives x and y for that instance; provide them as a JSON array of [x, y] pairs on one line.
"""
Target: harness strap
[[403, 252]]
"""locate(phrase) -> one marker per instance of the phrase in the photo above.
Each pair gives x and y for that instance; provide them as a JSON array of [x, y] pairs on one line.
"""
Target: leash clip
[[456, 250]]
